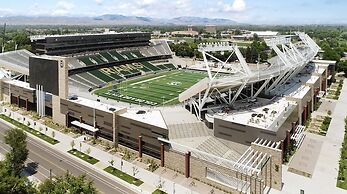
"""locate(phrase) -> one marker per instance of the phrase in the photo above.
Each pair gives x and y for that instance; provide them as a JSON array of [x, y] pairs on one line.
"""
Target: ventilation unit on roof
[[141, 112], [73, 97], [112, 109]]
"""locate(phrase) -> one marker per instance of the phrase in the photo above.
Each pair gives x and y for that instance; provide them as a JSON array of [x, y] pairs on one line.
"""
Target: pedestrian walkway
[[326, 170], [151, 180], [305, 159]]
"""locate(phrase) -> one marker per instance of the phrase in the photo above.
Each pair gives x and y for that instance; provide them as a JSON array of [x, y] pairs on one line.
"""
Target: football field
[[153, 90]]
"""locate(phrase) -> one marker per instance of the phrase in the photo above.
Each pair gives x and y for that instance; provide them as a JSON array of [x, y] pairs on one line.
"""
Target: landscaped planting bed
[[83, 156], [342, 175], [123, 176], [29, 130]]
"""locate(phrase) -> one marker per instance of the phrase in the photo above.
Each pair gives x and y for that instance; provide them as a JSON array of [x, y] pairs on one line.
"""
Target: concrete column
[[81, 121], [67, 123], [187, 164], [282, 148], [293, 127], [140, 146], [18, 101], [95, 133], [307, 112], [288, 138], [162, 157], [304, 115], [27, 105]]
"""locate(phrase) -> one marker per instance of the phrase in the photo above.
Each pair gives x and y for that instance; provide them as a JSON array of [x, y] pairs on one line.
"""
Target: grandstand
[[117, 73], [16, 61]]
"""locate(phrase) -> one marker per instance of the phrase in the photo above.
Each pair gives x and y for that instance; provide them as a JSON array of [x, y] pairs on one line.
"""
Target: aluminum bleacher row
[[100, 77]]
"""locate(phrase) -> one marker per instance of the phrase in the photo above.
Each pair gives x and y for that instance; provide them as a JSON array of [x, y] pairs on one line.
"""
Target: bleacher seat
[[162, 66], [150, 66]]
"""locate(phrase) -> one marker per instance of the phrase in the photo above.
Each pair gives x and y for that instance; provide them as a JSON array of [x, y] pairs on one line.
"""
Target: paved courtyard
[[305, 159], [326, 169]]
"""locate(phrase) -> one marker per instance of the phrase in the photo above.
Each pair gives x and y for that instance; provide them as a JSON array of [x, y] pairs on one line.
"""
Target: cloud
[[183, 5], [63, 8], [99, 2], [236, 6], [6, 12]]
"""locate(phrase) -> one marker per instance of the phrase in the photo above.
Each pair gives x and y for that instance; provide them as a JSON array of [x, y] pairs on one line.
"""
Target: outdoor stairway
[[298, 135]]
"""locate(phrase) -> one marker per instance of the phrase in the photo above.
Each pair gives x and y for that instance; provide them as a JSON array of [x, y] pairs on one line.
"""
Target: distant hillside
[[111, 19]]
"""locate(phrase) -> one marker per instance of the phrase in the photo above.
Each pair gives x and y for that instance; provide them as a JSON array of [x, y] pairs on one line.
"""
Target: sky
[[242, 11]]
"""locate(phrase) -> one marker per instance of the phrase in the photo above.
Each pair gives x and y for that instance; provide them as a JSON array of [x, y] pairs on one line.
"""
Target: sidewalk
[[151, 180], [326, 170]]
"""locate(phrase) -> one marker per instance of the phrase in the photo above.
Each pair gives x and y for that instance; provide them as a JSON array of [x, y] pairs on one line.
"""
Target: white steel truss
[[228, 86]]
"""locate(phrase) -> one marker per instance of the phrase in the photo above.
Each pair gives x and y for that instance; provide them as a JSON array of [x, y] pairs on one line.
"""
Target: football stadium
[[225, 123]]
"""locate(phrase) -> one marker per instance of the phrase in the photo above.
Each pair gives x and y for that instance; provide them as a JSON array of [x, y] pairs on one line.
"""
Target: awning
[[85, 126]]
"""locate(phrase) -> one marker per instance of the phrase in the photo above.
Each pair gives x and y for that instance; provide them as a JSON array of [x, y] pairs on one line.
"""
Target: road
[[48, 158]]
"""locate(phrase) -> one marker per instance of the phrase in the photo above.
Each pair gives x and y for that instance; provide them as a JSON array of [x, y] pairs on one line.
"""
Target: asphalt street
[[49, 160]]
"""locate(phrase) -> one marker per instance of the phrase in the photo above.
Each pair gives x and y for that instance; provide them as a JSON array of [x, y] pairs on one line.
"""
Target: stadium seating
[[150, 66], [100, 77], [162, 66], [170, 66]]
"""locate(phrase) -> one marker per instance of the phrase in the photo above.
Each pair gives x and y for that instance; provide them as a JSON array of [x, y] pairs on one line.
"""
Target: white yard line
[[143, 81], [170, 100]]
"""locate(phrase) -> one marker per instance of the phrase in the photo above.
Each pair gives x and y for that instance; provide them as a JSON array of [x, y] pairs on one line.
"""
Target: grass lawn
[[153, 90], [83, 156], [29, 130], [123, 176], [159, 192]]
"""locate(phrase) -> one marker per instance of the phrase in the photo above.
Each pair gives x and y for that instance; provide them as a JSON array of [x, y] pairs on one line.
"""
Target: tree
[[53, 134], [264, 56], [88, 151], [67, 184], [248, 55], [72, 144], [111, 162], [11, 182], [15, 159]]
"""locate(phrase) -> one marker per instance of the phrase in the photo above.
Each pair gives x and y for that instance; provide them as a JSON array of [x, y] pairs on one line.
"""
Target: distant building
[[190, 28], [212, 29], [189, 32], [264, 34], [250, 34]]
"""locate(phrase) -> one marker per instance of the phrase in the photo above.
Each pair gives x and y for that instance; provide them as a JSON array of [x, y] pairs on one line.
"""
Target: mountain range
[[112, 19]]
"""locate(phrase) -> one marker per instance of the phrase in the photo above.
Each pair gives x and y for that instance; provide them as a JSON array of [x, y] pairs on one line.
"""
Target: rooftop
[[152, 117], [324, 62], [40, 37], [265, 114], [19, 84], [95, 104], [312, 80]]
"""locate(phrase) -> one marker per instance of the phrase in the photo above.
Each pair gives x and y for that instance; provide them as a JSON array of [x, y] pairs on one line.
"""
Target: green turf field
[[153, 90]]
